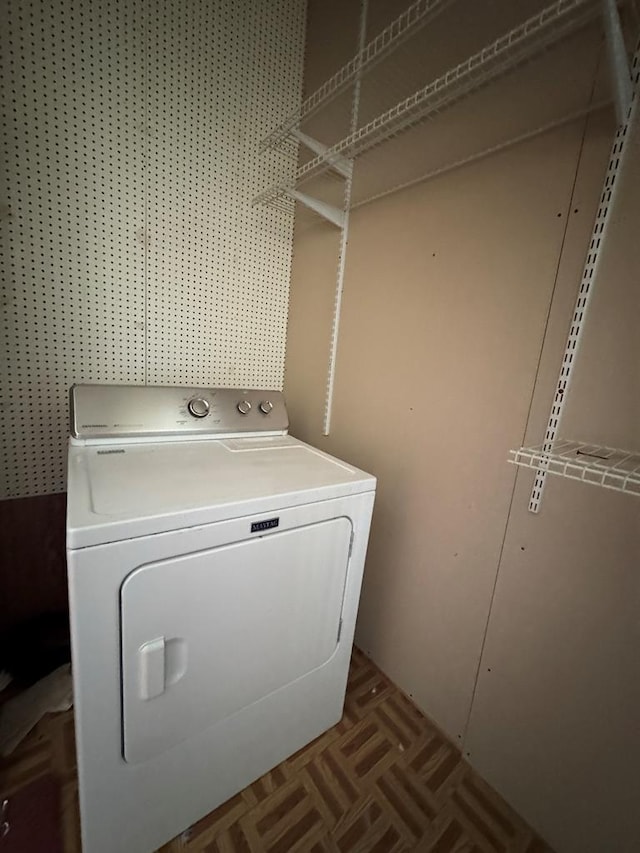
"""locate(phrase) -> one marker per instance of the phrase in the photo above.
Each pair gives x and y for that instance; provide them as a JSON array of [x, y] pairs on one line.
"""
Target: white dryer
[[214, 568]]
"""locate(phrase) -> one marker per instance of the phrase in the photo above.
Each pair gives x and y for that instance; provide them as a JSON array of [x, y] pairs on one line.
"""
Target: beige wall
[[554, 722], [447, 289], [450, 287]]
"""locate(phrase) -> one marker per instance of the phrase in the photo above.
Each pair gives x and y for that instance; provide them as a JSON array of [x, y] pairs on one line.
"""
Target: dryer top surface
[[120, 491]]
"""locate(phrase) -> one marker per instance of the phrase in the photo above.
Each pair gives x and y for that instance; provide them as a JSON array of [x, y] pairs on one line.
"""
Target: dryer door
[[204, 635]]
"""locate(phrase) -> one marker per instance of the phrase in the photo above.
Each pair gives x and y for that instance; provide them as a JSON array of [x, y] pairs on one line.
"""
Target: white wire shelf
[[510, 50], [416, 16], [607, 467]]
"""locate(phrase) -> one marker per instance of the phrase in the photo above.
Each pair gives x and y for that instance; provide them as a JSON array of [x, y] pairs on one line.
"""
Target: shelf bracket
[[338, 163], [326, 211], [619, 153], [618, 62]]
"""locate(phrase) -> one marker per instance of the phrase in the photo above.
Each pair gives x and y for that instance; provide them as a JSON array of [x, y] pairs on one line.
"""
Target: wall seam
[[534, 383]]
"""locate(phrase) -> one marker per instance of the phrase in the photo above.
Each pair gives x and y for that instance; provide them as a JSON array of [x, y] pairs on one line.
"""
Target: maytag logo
[[268, 524], [109, 452]]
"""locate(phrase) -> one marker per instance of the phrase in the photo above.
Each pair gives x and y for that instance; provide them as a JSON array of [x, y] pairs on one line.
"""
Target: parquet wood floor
[[384, 780]]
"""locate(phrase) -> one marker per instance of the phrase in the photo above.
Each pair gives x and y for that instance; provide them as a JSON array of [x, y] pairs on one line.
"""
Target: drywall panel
[[554, 722], [458, 298], [131, 249], [555, 718], [447, 296], [447, 290]]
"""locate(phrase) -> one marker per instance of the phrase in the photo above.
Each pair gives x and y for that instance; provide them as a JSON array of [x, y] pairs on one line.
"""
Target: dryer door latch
[[152, 675]]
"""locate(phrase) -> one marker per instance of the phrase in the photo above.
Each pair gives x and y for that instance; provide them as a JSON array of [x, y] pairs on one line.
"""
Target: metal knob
[[244, 407], [198, 407], [266, 406]]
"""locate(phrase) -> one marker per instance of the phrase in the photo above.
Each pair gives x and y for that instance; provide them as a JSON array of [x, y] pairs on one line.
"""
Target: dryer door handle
[[152, 668]]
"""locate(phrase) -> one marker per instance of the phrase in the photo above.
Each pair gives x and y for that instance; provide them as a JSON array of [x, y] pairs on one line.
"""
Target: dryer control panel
[[113, 412]]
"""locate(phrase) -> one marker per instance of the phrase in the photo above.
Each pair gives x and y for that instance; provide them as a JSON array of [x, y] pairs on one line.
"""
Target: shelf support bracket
[[619, 154], [618, 62], [340, 164], [326, 211]]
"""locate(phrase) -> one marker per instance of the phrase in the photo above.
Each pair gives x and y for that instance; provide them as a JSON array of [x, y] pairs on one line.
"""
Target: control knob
[[265, 406], [244, 407], [198, 407]]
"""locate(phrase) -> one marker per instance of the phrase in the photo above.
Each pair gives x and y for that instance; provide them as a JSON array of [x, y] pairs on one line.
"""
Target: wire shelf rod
[[608, 467], [413, 19], [506, 52]]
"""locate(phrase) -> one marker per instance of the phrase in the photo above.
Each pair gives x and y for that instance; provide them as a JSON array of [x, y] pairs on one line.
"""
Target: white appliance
[[214, 568]]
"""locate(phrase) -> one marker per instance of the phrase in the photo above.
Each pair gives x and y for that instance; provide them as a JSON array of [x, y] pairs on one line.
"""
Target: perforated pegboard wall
[[131, 250]]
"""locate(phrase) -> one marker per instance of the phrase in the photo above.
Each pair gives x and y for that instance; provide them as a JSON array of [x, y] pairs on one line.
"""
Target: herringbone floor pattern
[[384, 780]]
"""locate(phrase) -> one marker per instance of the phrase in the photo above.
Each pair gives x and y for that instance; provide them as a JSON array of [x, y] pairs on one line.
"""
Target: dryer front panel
[[207, 634]]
